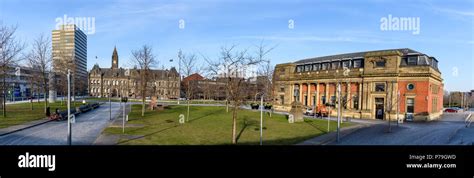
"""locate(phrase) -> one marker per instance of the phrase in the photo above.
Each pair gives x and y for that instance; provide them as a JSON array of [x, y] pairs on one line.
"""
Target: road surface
[[87, 128], [450, 130]]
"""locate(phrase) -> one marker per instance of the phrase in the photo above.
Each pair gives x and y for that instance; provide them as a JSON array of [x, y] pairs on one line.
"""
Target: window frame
[[333, 66], [414, 62], [357, 61], [325, 66], [378, 84], [346, 62]]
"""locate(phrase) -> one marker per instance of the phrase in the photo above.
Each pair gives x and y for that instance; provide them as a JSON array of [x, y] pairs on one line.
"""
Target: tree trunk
[[143, 107], [187, 115], [4, 97], [234, 124], [226, 105], [45, 98]]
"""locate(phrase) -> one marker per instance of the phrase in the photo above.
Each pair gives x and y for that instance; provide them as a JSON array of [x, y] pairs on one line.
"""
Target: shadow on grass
[[246, 124], [150, 134], [282, 141], [310, 122]]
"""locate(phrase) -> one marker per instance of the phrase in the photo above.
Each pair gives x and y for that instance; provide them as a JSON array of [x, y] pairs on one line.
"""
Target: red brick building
[[374, 84]]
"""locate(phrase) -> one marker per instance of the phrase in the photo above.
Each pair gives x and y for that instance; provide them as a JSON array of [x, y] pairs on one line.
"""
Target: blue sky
[[320, 28]]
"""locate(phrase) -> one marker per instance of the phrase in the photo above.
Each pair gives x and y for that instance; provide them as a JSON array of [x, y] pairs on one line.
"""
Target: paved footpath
[[85, 131], [450, 130]]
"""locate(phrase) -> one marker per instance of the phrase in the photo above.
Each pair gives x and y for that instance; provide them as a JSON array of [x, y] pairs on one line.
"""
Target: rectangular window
[[379, 87], [333, 99], [434, 63], [335, 65], [323, 99], [346, 64], [357, 63], [325, 66], [410, 105], [423, 60], [299, 68], [355, 102], [307, 68], [282, 89], [380, 63], [316, 67], [412, 61], [282, 99]]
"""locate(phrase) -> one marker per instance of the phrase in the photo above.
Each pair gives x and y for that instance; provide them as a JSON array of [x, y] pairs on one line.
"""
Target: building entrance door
[[379, 108], [114, 93]]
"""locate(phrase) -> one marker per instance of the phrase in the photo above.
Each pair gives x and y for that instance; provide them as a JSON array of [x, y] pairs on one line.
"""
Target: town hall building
[[120, 82]]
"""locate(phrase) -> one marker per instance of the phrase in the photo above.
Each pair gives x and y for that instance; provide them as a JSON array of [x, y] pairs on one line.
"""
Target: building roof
[[404, 51], [120, 72], [193, 77]]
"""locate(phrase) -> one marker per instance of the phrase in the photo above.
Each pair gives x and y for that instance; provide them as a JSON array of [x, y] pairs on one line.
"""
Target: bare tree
[[10, 49], [231, 68], [266, 70], [64, 61], [39, 59], [144, 59], [189, 67]]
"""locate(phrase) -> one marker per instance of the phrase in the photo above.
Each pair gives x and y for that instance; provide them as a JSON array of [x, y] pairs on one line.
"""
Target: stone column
[[348, 98], [327, 92], [308, 94], [292, 89], [301, 92], [317, 94], [360, 97]]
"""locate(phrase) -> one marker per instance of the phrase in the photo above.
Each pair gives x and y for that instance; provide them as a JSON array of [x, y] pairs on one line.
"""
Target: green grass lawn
[[168, 101], [213, 126], [21, 112]]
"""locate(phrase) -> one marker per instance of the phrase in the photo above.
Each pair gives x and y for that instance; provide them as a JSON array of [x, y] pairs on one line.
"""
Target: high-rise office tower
[[70, 52]]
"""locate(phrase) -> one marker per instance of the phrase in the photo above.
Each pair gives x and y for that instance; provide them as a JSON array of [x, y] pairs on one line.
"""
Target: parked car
[[254, 105], [309, 112], [451, 110]]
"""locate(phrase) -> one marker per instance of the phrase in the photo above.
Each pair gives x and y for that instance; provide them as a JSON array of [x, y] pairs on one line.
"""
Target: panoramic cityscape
[[79, 81], [144, 87]]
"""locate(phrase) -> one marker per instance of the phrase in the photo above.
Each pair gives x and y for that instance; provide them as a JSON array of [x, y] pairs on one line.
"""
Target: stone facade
[[118, 82], [372, 83]]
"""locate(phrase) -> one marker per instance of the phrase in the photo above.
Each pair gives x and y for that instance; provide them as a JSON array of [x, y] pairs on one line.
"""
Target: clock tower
[[115, 59]]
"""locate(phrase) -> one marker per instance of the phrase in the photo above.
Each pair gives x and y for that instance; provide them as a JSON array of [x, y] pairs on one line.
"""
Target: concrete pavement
[[85, 131], [447, 131]]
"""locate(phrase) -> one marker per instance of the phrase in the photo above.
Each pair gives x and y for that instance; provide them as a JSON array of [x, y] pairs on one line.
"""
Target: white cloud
[[455, 11]]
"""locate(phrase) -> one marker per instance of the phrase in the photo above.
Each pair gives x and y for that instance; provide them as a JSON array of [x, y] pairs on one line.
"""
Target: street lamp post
[[398, 107], [69, 131], [338, 111], [261, 119], [123, 118], [110, 101]]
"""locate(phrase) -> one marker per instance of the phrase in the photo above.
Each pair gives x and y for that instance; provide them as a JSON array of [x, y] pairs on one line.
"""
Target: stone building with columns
[[118, 82], [374, 84]]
